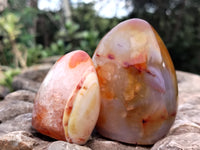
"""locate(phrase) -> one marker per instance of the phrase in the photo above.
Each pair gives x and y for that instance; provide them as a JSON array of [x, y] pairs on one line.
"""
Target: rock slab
[[16, 132], [17, 140], [3, 91]]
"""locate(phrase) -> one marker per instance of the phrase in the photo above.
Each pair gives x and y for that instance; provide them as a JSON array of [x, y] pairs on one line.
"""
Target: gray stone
[[22, 140], [182, 126], [18, 140], [36, 73], [20, 83], [190, 111], [19, 123], [50, 60], [23, 95], [61, 145], [31, 78], [3, 91], [102, 144], [12, 108], [188, 82], [187, 141]]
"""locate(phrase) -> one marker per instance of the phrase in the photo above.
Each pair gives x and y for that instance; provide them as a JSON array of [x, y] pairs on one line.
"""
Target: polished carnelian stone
[[67, 103], [138, 84]]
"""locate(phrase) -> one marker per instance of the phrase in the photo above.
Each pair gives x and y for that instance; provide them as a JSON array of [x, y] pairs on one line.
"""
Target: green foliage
[[40, 34], [38, 52], [10, 26], [79, 39], [86, 30], [9, 74], [10, 29], [27, 18], [35, 53]]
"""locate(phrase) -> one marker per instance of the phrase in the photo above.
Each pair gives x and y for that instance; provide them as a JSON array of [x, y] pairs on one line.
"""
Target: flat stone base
[[16, 131]]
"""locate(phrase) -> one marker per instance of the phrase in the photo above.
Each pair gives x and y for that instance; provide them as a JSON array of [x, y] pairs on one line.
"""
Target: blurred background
[[31, 30]]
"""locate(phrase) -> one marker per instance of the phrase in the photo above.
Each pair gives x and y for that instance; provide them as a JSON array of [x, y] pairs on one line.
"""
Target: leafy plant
[[9, 75], [10, 28]]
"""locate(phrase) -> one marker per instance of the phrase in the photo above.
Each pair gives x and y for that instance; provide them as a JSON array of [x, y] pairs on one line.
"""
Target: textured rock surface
[[23, 95], [60, 145], [21, 140], [103, 144], [3, 91], [12, 108], [17, 133], [21, 122], [36, 73], [31, 78], [184, 141], [50, 60], [25, 84]]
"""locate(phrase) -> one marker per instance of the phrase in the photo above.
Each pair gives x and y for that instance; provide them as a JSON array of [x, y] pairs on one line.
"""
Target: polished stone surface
[[67, 104], [137, 82]]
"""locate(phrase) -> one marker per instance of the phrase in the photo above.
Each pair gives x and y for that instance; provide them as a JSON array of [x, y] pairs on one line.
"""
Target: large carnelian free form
[[67, 104], [138, 84]]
